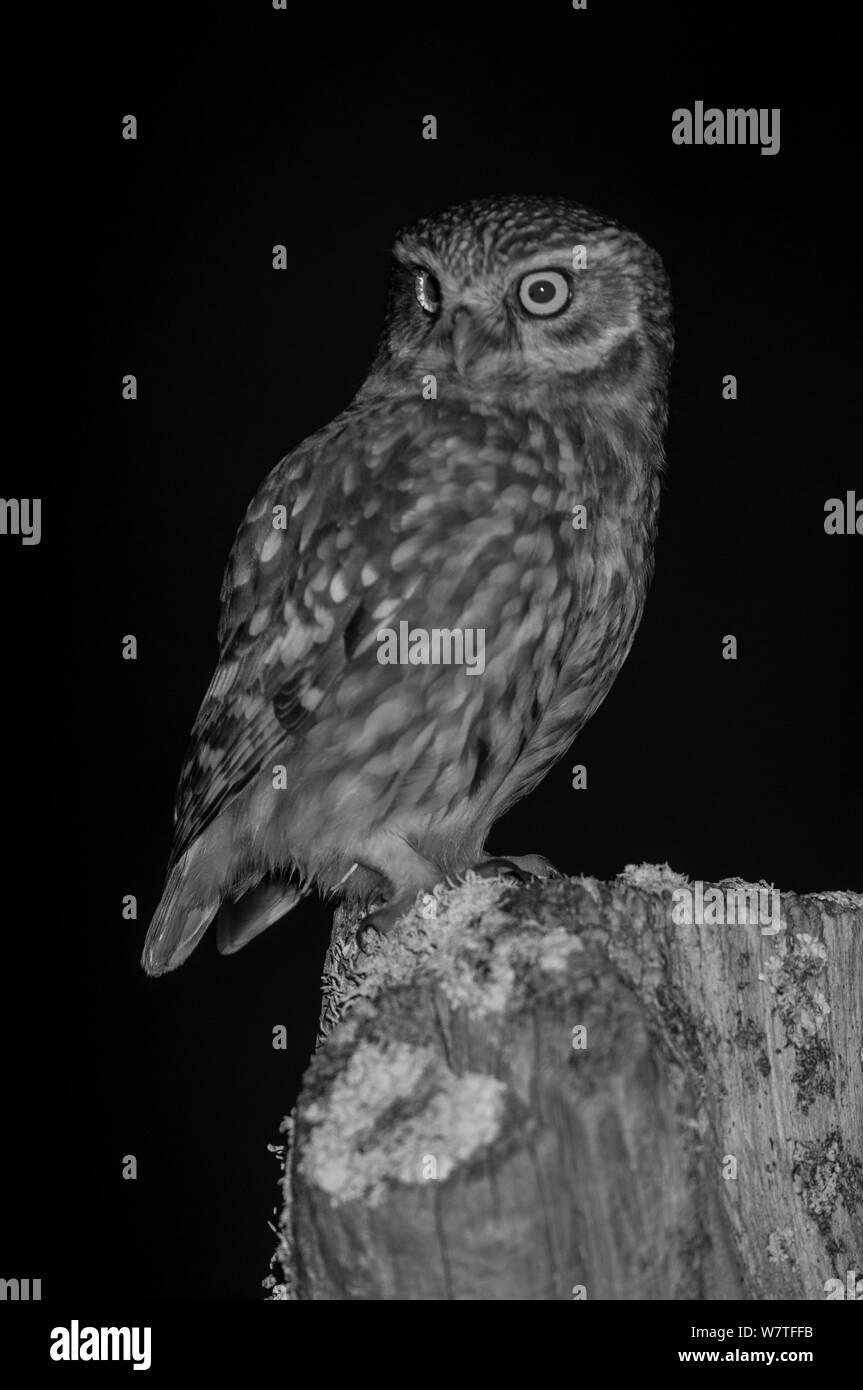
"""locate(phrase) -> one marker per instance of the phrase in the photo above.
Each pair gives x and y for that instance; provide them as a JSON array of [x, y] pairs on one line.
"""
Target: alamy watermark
[[77, 1343], [437, 646], [21, 518], [739, 126], [23, 1290], [745, 905]]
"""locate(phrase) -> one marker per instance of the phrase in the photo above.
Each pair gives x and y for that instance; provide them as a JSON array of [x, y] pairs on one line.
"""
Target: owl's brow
[[546, 258], [557, 254], [596, 249], [415, 256]]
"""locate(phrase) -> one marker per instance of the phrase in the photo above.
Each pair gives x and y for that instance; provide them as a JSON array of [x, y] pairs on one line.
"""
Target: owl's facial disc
[[500, 318]]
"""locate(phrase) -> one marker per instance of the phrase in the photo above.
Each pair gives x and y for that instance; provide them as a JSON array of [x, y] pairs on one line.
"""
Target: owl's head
[[505, 288]]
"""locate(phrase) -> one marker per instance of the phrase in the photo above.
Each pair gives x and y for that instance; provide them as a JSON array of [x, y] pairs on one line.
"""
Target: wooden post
[[558, 1091]]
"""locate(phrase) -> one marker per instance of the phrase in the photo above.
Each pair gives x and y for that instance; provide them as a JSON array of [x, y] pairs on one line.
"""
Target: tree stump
[[564, 1090]]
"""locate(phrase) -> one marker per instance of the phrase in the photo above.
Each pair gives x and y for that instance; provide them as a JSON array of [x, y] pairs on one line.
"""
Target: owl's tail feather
[[180, 920], [198, 887], [241, 921]]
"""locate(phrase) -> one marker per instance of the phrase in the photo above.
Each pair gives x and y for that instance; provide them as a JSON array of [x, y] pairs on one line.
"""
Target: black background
[[255, 128]]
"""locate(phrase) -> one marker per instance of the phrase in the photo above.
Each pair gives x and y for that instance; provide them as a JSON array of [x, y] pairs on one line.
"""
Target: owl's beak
[[468, 338]]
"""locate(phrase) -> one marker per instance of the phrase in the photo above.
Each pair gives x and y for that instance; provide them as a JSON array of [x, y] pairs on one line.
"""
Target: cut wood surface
[[565, 1090]]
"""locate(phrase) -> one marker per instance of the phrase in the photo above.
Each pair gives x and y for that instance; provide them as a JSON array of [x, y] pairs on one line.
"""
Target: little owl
[[496, 479]]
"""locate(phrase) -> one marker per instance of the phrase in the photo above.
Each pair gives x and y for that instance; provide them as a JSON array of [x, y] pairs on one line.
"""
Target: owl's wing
[[296, 604], [279, 640]]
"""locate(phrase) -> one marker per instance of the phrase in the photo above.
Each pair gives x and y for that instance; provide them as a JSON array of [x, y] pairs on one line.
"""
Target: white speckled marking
[[259, 621], [338, 588], [271, 546]]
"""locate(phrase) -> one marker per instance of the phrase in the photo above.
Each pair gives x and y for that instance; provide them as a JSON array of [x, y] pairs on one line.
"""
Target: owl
[[429, 597]]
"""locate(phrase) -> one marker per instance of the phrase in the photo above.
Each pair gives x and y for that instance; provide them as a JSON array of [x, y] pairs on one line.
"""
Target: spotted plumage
[[521, 377]]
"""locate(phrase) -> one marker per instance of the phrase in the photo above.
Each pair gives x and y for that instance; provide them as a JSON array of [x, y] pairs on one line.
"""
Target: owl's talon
[[535, 865], [496, 868], [362, 935], [381, 921], [521, 867]]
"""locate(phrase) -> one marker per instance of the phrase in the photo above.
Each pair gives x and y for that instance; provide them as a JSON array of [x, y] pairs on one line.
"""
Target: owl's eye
[[544, 292], [427, 292]]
